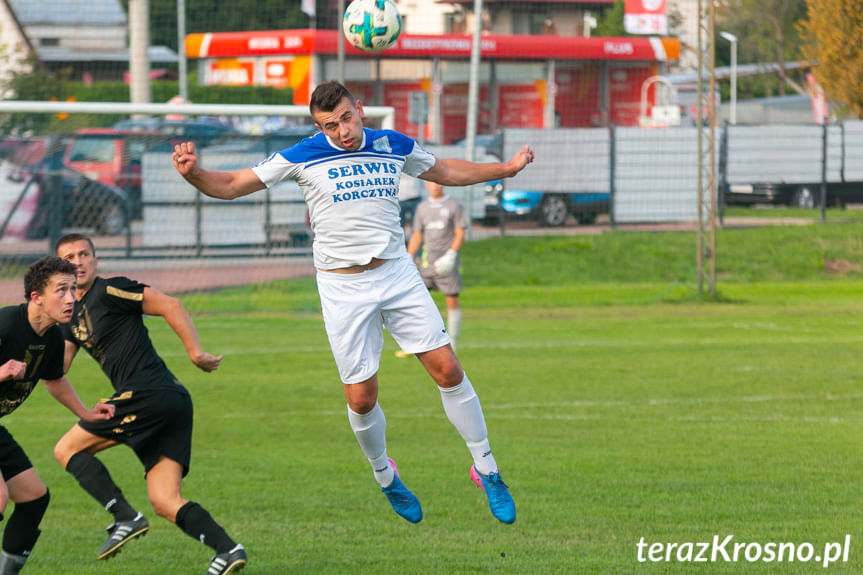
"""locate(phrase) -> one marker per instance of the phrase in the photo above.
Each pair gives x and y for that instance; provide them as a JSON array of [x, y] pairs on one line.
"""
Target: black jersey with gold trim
[[42, 354], [108, 322]]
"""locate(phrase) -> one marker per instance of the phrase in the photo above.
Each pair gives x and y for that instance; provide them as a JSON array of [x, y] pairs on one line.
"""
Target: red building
[[526, 80]]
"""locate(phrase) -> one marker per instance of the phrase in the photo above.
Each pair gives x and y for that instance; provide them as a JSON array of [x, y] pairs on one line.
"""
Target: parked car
[[202, 132], [112, 157], [82, 201], [549, 209], [264, 144]]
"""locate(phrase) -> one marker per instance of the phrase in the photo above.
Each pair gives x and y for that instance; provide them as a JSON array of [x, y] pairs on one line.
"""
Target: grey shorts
[[449, 284]]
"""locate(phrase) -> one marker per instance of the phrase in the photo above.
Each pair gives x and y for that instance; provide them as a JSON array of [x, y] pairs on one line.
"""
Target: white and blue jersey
[[352, 195]]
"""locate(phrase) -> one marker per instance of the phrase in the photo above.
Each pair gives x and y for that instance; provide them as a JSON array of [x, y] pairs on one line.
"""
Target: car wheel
[[553, 210], [804, 198], [112, 219]]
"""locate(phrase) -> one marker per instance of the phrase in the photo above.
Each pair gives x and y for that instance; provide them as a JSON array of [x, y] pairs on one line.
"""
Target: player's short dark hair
[[39, 274], [328, 95], [71, 239]]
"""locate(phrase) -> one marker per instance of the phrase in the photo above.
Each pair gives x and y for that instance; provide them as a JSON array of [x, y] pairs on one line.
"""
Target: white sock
[[453, 324], [462, 407], [370, 430]]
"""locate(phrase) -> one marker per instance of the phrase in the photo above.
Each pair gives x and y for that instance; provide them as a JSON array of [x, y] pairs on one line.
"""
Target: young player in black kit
[[153, 410], [31, 348]]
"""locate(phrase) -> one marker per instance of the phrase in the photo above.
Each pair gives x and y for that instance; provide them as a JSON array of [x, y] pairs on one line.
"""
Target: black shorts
[[153, 423], [13, 460]]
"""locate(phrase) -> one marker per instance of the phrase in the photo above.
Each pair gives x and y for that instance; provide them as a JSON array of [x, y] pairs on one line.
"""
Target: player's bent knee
[[166, 507], [61, 453]]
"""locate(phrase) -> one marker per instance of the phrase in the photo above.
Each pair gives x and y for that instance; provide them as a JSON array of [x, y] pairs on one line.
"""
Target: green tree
[[34, 83], [610, 23], [767, 30], [221, 16], [832, 30]]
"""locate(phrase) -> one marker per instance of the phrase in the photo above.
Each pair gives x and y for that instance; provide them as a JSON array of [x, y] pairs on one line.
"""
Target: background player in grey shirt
[[439, 230]]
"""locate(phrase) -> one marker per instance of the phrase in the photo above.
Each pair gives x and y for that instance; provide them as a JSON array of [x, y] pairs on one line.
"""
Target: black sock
[[22, 529], [197, 523], [95, 479]]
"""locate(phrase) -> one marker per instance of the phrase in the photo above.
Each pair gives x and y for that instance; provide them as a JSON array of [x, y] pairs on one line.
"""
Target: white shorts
[[356, 308]]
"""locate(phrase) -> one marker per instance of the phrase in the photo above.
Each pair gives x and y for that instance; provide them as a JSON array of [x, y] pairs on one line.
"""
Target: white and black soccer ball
[[372, 25]]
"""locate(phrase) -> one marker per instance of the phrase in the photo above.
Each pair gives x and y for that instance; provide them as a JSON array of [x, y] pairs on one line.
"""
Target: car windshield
[[92, 150], [136, 149]]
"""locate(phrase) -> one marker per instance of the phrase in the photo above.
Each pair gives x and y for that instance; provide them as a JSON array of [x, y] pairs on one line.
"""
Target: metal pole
[[734, 81], [182, 70], [699, 240], [612, 165], [733, 40], [340, 64], [473, 96], [550, 92], [139, 61], [712, 217], [473, 84], [823, 190]]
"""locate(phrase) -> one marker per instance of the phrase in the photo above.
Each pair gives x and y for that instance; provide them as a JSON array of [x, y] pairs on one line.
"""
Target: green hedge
[[163, 91], [43, 124]]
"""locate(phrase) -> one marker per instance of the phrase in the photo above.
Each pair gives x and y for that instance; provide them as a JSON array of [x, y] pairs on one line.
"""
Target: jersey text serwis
[[368, 169]]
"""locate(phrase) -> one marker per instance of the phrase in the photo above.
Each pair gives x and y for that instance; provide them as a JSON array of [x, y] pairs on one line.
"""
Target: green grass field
[[620, 405]]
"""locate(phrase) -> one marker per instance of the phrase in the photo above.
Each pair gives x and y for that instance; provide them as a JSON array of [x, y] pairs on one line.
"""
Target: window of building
[[529, 22]]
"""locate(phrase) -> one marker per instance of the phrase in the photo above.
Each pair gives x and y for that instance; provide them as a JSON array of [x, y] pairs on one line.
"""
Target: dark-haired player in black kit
[[153, 410], [31, 348]]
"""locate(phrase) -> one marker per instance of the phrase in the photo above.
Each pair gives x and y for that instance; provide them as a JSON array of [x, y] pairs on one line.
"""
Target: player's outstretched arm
[[221, 185], [62, 391], [170, 308], [455, 172]]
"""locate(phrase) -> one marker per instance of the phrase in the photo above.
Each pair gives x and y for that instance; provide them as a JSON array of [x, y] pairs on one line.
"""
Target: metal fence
[[121, 184]]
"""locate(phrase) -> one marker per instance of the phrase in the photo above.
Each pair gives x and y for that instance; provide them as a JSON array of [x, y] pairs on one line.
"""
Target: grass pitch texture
[[618, 408]]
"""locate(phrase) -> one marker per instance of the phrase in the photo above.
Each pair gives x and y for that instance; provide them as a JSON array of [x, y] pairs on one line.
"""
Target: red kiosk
[[526, 81]]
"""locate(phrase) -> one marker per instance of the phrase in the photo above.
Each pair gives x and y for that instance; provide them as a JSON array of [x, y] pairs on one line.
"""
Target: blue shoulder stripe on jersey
[[397, 142], [309, 149], [317, 149]]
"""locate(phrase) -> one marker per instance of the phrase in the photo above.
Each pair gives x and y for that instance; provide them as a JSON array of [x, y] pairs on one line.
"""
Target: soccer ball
[[372, 25]]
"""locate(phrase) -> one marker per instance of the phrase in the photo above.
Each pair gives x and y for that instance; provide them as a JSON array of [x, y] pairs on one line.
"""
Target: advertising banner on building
[[645, 17]]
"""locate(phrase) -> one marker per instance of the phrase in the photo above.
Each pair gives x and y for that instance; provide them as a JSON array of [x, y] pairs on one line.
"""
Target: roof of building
[[69, 12], [156, 55]]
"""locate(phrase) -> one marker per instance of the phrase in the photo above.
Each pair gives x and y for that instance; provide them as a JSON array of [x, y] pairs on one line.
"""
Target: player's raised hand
[[185, 158], [12, 369], [207, 362], [522, 158]]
